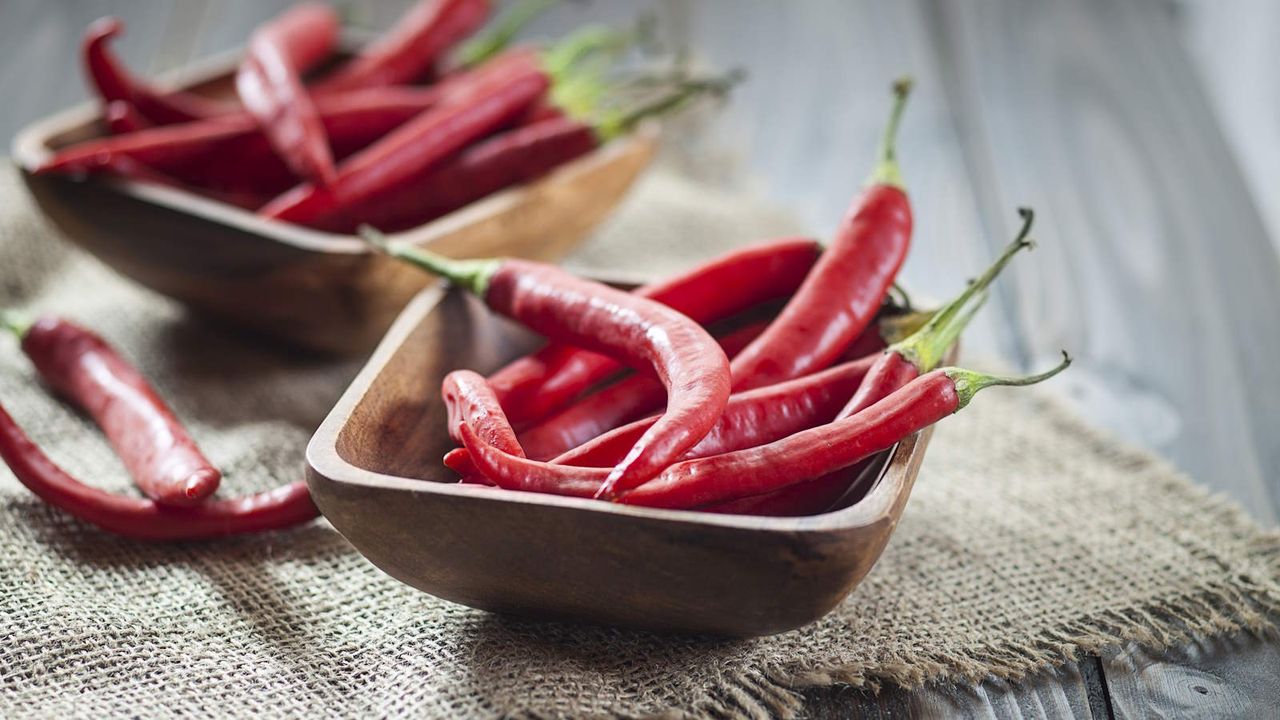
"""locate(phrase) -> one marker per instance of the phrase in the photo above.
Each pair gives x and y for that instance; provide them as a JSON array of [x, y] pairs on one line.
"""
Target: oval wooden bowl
[[319, 290], [374, 467]]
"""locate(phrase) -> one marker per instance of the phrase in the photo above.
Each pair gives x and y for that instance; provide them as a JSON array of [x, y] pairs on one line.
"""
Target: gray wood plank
[[1227, 677], [1067, 692], [1155, 269], [39, 43]]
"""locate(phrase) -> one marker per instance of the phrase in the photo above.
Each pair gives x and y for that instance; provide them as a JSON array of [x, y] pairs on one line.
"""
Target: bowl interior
[[397, 426]]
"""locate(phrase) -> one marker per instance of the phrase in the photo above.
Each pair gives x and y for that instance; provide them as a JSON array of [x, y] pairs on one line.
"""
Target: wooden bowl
[[374, 467], [319, 290]]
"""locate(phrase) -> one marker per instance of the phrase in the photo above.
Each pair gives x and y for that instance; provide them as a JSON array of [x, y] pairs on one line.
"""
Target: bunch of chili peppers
[[778, 417], [762, 382], [413, 126]]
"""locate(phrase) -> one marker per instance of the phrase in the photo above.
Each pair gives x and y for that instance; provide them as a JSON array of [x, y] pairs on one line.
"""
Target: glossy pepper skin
[[154, 446], [229, 155], [848, 284], [469, 400], [629, 398], [144, 519], [536, 385], [113, 82], [751, 418], [411, 48], [639, 332], [899, 364], [509, 158], [426, 140], [805, 455], [269, 83]]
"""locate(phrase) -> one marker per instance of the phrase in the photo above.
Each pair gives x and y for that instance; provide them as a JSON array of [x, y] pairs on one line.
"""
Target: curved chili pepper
[[537, 384], [640, 332], [593, 422], [419, 38], [629, 398], [469, 400], [424, 141], [796, 458], [114, 82], [123, 118], [848, 284], [269, 83], [143, 519], [156, 449]]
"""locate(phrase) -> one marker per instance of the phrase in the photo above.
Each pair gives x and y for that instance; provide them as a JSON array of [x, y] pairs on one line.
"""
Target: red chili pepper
[[428, 30], [640, 332], [805, 498], [535, 385], [230, 154], [424, 141], [799, 457], [629, 398], [143, 519], [155, 448], [123, 118], [902, 362], [471, 401], [751, 418], [269, 83], [113, 82], [508, 158], [593, 422], [844, 291]]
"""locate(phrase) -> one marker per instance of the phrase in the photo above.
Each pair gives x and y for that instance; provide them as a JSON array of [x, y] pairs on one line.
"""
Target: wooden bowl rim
[[30, 148], [324, 460]]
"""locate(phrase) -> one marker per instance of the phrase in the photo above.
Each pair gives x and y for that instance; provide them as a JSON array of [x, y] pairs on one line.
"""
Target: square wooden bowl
[[319, 290], [374, 467]]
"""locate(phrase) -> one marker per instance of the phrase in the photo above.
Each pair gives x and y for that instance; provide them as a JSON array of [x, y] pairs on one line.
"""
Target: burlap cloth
[[1030, 538]]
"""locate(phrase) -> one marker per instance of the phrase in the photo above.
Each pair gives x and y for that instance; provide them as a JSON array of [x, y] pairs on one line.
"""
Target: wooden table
[[1154, 267]]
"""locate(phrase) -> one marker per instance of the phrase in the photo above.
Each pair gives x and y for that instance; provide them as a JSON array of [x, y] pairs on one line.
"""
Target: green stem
[[685, 91], [498, 37], [16, 322], [969, 382], [925, 348], [474, 275], [564, 57], [887, 171]]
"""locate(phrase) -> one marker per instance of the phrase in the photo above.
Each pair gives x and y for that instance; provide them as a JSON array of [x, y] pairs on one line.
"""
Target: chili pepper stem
[[560, 59], [495, 39], [969, 382], [16, 322], [887, 171], [474, 275], [925, 348], [685, 91]]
